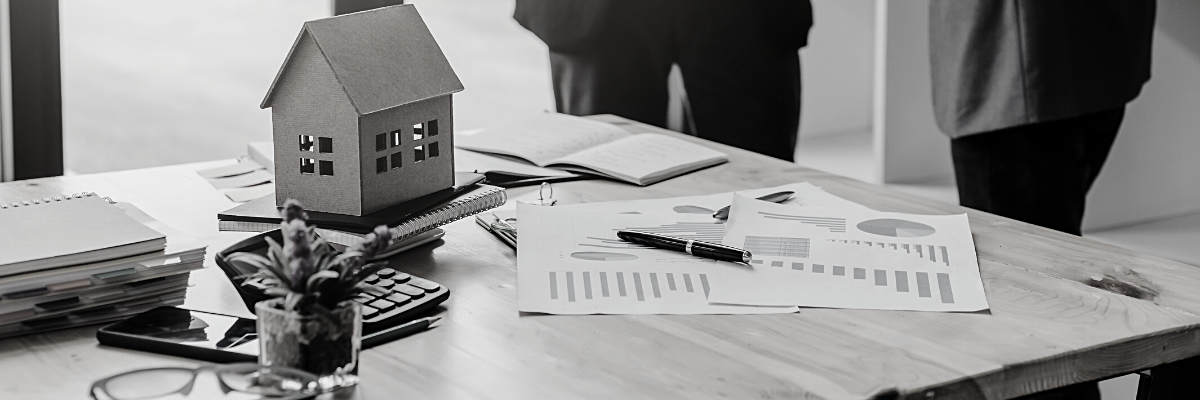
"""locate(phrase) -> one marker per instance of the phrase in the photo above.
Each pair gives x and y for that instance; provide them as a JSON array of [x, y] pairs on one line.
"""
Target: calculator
[[403, 297]]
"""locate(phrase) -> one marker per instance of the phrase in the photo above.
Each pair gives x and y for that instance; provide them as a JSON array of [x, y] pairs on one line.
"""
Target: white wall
[[836, 68], [1154, 169], [908, 145]]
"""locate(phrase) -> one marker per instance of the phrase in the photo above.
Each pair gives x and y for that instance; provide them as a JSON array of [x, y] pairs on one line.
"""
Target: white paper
[[571, 262], [850, 258], [584, 145], [243, 167], [548, 247], [242, 195], [257, 177], [643, 159], [804, 194], [544, 138], [480, 163]]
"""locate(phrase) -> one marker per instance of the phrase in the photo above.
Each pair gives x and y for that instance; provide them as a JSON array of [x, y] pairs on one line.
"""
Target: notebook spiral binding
[[456, 210], [27, 203]]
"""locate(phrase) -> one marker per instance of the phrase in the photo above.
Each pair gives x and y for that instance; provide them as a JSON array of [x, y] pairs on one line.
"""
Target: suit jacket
[[1004, 63], [568, 26]]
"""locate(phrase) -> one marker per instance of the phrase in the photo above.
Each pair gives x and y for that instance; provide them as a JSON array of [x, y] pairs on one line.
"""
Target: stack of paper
[[95, 262], [247, 180], [814, 250]]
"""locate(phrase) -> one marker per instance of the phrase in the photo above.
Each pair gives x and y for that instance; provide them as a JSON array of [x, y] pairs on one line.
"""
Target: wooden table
[[1063, 310]]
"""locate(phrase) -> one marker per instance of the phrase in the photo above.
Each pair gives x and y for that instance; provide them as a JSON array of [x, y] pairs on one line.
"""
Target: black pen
[[694, 247], [723, 213], [396, 332]]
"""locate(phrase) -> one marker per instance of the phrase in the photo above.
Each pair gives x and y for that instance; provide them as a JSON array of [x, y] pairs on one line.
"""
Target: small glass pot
[[311, 343]]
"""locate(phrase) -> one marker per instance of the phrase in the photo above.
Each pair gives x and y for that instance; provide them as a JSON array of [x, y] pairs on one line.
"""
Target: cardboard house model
[[361, 113]]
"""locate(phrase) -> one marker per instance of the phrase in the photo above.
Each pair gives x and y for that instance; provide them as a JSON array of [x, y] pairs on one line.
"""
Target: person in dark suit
[[1032, 94], [738, 60]]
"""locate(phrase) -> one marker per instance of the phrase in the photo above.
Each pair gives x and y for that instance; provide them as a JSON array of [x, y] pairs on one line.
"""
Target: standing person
[[738, 60], [1032, 94]]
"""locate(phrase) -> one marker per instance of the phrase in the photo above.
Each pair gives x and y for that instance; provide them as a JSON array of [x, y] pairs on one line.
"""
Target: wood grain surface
[[1063, 310]]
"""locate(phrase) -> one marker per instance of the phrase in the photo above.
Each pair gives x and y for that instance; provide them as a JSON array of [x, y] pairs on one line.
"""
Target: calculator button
[[369, 312], [386, 272], [372, 279], [401, 277], [398, 298], [382, 305], [427, 285], [409, 290], [385, 283], [364, 298]]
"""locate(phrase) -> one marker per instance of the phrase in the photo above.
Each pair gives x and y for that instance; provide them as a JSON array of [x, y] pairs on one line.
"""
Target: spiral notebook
[[480, 199], [261, 215], [61, 231]]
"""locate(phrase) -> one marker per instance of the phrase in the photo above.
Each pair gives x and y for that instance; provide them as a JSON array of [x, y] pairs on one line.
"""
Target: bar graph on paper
[[850, 258], [583, 286], [933, 285], [924, 284], [934, 253]]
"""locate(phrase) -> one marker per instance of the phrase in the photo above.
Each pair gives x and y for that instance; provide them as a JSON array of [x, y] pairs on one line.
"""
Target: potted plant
[[311, 323]]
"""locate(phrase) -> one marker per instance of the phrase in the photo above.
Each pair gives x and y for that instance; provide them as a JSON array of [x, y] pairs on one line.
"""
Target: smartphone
[[207, 336], [185, 333]]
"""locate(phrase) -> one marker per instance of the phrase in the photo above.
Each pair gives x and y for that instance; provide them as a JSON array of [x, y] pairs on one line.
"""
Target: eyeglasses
[[237, 381]]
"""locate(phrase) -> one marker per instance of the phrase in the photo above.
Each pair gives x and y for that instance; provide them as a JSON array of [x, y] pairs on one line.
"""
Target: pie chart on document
[[895, 228]]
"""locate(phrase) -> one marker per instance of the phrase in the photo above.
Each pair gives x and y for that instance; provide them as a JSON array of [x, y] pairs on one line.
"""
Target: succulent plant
[[306, 271]]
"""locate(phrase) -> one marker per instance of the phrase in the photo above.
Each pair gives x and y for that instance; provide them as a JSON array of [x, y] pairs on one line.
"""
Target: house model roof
[[383, 58]]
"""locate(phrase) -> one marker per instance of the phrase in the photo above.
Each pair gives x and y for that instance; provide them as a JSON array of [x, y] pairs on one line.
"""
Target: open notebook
[[582, 145]]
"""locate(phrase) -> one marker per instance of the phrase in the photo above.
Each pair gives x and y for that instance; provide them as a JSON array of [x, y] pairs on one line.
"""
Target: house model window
[[308, 166], [326, 167], [381, 142], [433, 149], [306, 143], [431, 128], [418, 131], [418, 154], [325, 145], [396, 138], [396, 160], [381, 165]]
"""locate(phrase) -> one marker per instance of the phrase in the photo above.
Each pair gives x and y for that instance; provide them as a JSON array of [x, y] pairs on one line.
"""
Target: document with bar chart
[[850, 258], [570, 261]]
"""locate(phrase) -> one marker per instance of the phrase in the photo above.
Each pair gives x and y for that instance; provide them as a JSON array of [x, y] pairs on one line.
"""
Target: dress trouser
[[743, 90], [1038, 173]]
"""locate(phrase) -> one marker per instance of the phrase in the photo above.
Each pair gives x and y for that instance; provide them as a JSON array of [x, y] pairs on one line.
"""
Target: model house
[[361, 113]]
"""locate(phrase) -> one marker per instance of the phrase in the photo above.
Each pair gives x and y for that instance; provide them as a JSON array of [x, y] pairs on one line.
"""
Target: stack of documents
[[79, 259], [814, 250], [247, 180]]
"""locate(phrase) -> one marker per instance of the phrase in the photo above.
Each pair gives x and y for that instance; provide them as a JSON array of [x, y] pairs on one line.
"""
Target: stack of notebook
[[81, 259], [410, 222]]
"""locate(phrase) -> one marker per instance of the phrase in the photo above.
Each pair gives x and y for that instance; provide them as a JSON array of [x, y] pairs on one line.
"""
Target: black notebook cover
[[264, 209]]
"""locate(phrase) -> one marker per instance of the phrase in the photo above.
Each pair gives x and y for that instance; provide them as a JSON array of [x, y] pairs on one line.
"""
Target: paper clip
[[503, 226], [504, 231]]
